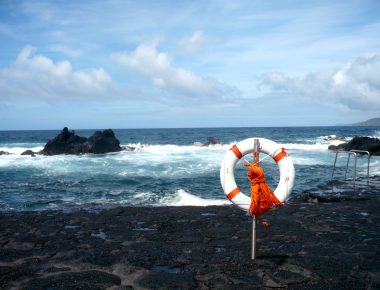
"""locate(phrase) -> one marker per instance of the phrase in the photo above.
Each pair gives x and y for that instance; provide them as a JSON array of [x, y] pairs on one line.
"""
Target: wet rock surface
[[309, 245]]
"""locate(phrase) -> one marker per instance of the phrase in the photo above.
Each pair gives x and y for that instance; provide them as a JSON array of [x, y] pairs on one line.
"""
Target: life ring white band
[[240, 149]]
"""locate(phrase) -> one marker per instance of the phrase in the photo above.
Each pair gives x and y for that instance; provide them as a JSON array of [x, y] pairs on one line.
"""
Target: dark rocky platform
[[309, 245]]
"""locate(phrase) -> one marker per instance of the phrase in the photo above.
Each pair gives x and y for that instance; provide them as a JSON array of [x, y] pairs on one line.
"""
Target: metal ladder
[[349, 153]]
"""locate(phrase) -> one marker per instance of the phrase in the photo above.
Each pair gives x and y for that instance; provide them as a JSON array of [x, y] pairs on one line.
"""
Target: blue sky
[[148, 64]]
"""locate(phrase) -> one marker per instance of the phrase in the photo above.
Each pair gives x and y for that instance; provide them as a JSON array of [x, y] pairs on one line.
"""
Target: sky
[[172, 64]]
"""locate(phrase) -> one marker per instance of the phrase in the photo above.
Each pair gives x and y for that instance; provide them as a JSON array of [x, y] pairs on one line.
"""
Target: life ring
[[244, 147]]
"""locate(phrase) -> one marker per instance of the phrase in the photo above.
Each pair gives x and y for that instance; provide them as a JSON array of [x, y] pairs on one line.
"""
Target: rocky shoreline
[[309, 245]]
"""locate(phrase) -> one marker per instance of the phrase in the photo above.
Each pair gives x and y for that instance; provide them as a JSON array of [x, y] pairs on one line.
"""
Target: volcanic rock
[[307, 246], [372, 145], [67, 142], [211, 141], [102, 142], [29, 152]]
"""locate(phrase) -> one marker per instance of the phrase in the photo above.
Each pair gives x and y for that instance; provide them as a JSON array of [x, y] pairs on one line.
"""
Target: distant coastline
[[369, 122]]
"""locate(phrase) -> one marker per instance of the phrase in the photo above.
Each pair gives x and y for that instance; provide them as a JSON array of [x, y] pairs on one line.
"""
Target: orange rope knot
[[262, 197]]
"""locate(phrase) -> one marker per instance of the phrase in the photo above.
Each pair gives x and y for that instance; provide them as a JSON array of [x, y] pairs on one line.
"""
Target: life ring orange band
[[236, 152], [233, 193], [280, 155]]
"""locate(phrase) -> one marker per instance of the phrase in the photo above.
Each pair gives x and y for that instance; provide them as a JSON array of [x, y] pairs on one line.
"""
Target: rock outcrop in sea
[[29, 152], [67, 142], [372, 145], [211, 141]]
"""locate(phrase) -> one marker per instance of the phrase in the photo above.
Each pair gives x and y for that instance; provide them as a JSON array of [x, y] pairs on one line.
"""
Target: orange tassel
[[262, 197]]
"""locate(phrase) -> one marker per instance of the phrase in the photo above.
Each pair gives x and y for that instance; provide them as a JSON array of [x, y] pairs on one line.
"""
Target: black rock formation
[[372, 145], [211, 141], [102, 142], [67, 142], [29, 152]]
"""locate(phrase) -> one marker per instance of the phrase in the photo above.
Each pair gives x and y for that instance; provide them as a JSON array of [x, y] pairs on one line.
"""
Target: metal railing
[[355, 154]]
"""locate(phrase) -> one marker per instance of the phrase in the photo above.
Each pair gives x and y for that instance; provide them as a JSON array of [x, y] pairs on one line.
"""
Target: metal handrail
[[369, 157], [348, 159], [349, 153]]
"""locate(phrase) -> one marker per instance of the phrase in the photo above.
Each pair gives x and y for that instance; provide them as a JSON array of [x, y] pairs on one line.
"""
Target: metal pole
[[336, 156], [356, 159], [253, 252], [256, 152], [369, 156], [348, 161]]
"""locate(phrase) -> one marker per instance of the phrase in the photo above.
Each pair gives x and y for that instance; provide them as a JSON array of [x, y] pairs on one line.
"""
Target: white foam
[[175, 160], [376, 134], [179, 198], [19, 150], [183, 198], [305, 147], [153, 160], [175, 149], [321, 144], [169, 160], [144, 195]]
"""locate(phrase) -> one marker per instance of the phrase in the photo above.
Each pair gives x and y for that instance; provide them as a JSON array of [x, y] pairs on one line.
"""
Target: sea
[[167, 167]]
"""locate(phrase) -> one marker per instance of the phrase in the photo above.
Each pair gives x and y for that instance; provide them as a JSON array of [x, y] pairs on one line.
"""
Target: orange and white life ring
[[244, 147]]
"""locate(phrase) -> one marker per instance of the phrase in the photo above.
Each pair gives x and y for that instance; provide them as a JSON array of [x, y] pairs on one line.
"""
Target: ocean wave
[[151, 160], [18, 150], [179, 198], [321, 143], [156, 160], [305, 147], [171, 149], [375, 134]]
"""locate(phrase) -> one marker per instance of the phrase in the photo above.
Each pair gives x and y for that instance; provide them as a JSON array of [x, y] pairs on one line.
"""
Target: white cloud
[[37, 76], [148, 61], [356, 85], [193, 43]]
